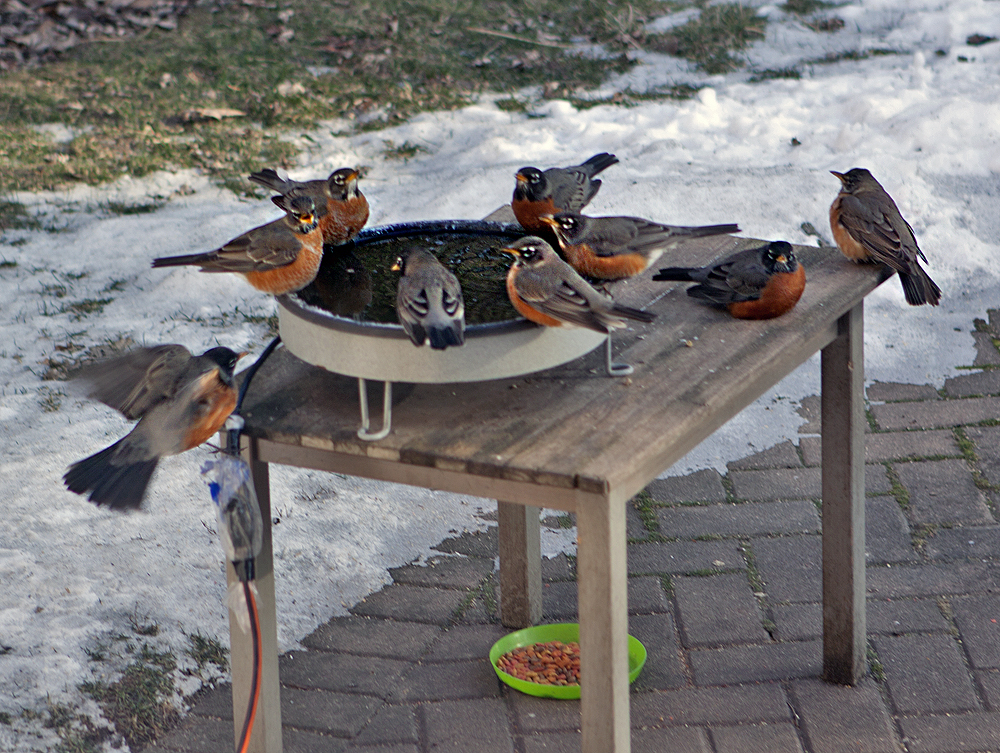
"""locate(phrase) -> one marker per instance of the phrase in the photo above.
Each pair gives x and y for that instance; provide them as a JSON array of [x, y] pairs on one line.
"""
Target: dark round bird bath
[[345, 320]]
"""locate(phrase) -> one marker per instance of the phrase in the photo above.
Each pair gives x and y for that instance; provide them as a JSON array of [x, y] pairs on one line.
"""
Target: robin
[[611, 248], [868, 227], [342, 210], [558, 189], [548, 291], [280, 257], [429, 300], [180, 401], [756, 283]]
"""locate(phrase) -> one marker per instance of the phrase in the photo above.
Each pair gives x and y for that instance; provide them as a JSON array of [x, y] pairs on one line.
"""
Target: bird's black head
[[530, 184], [226, 359], [529, 250], [779, 257]]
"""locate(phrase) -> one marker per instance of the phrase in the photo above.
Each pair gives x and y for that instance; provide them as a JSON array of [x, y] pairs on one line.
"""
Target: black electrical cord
[[245, 568]]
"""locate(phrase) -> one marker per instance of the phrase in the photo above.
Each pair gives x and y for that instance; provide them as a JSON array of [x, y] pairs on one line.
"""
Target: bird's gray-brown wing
[[566, 297], [137, 381], [571, 188], [869, 223], [266, 247]]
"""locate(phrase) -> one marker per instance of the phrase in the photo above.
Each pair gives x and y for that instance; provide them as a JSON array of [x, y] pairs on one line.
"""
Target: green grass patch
[[770, 74], [139, 702], [710, 40], [206, 651], [220, 91], [14, 216]]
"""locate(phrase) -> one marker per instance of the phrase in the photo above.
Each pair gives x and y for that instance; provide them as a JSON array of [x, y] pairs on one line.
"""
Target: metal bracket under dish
[[363, 432], [612, 368]]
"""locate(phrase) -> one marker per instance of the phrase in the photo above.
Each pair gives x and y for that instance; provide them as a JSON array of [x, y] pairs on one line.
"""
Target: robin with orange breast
[[546, 290], [558, 189], [429, 301], [755, 283], [180, 401], [280, 257], [868, 227], [612, 248], [341, 209]]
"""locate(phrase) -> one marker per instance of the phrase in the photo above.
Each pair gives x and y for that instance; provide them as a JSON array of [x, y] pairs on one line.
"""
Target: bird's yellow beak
[[781, 259], [839, 175], [520, 178], [397, 267], [549, 220], [512, 251]]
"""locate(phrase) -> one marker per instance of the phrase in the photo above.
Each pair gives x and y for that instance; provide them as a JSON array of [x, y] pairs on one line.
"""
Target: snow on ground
[[926, 124]]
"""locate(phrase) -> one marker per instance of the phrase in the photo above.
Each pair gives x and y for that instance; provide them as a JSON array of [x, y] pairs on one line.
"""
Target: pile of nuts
[[551, 663]]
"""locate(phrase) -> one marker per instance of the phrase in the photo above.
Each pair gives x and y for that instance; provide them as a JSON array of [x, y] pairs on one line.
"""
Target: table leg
[[843, 438], [602, 586], [266, 736], [520, 551]]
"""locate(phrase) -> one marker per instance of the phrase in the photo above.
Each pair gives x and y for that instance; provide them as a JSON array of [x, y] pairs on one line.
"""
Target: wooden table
[[574, 439]]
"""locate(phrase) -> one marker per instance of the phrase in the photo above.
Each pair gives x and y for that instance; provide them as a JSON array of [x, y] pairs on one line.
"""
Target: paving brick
[[479, 721], [445, 572], [634, 527], [987, 441], [757, 738], [893, 391], [747, 519], [759, 702], [663, 668], [645, 596], [925, 674], [701, 486], [978, 620], [986, 352], [557, 568], [393, 723], [675, 557], [797, 622], [791, 567], [932, 415], [898, 616], [448, 681], [989, 681], [985, 382], [797, 483], [892, 445], [372, 637], [975, 731], [932, 580], [199, 734], [472, 544], [843, 719], [301, 741], [773, 661], [965, 542], [942, 491], [718, 609], [548, 742], [887, 535], [397, 602], [810, 410], [465, 642], [674, 740], [398, 748], [782, 455], [340, 714], [346, 673], [217, 702], [542, 714]]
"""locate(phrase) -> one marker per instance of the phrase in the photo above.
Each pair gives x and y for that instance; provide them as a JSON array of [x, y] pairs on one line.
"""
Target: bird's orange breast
[[529, 313], [343, 219], [851, 248], [619, 266], [780, 294], [294, 276], [216, 404], [528, 213]]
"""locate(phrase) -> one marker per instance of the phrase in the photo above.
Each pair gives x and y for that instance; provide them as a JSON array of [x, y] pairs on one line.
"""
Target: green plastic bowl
[[565, 632]]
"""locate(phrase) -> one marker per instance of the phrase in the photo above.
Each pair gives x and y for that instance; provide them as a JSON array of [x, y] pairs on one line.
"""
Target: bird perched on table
[[868, 227], [280, 257], [180, 401], [429, 301], [341, 209], [557, 189], [611, 248], [546, 290], [755, 283]]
